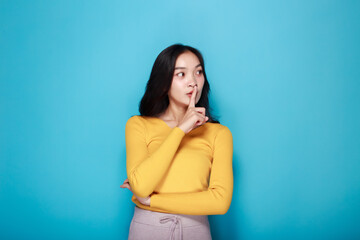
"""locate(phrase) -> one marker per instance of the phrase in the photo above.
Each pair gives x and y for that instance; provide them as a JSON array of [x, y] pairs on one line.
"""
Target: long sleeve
[[217, 198], [143, 171]]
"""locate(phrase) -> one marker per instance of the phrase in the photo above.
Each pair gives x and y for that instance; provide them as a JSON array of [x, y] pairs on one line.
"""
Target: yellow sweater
[[184, 173]]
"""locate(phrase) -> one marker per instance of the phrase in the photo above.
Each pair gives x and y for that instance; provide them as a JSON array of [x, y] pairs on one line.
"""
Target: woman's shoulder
[[135, 119], [140, 120], [220, 133], [217, 127]]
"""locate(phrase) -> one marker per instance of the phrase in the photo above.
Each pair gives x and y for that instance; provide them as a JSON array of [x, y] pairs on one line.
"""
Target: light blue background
[[284, 78]]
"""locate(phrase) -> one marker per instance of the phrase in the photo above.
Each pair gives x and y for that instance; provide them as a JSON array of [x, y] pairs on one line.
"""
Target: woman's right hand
[[194, 116]]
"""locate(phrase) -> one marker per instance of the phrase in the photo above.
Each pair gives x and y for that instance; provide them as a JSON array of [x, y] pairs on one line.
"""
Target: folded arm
[[217, 198], [145, 171]]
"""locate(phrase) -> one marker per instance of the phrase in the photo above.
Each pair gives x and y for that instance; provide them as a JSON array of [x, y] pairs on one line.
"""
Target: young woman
[[178, 157]]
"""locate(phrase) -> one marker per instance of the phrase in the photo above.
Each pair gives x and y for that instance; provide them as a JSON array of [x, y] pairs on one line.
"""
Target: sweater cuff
[[180, 132], [153, 201]]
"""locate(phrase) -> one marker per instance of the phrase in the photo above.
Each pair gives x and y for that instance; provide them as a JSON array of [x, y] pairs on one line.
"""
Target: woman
[[178, 157]]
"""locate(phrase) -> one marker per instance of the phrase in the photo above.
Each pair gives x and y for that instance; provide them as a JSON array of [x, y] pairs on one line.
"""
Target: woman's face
[[188, 73]]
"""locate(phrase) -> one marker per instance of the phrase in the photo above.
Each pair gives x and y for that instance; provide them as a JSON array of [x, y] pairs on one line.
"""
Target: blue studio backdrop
[[284, 77]]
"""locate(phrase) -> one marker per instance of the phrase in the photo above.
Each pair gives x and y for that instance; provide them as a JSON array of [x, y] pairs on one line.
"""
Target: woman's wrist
[[145, 201]]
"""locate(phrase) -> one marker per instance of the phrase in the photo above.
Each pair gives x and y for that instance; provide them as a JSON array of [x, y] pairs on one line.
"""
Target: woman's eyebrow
[[185, 67]]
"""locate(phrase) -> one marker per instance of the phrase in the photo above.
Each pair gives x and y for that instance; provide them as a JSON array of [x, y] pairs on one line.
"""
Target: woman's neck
[[173, 114]]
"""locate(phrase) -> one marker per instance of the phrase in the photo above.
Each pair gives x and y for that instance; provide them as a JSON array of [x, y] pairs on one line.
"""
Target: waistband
[[166, 219]]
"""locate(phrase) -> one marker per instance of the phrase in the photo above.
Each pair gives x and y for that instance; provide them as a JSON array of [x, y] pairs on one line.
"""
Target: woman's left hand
[[145, 201]]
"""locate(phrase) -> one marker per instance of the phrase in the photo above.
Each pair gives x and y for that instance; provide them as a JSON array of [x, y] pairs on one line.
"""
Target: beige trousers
[[152, 225]]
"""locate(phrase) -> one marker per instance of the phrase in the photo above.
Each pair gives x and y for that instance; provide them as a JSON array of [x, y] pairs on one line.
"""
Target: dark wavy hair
[[155, 100]]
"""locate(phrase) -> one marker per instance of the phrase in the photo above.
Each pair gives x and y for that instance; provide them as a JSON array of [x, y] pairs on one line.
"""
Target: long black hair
[[155, 100]]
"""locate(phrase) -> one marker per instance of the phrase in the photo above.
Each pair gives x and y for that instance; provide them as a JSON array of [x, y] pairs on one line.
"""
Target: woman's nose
[[192, 81], [192, 84]]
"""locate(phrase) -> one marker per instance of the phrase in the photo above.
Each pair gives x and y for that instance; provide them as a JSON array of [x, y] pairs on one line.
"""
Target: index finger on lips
[[193, 96]]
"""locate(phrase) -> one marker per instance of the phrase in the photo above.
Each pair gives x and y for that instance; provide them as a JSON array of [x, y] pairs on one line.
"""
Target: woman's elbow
[[223, 201], [141, 194], [222, 208], [224, 204], [225, 207], [140, 189]]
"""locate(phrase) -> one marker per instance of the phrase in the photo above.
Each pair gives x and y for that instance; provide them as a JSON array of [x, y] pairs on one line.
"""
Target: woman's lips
[[190, 93]]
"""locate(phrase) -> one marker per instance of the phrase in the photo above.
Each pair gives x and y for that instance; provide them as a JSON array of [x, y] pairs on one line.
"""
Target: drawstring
[[173, 225]]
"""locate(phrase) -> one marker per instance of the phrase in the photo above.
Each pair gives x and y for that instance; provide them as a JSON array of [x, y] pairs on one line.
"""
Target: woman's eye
[[179, 74], [199, 71]]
